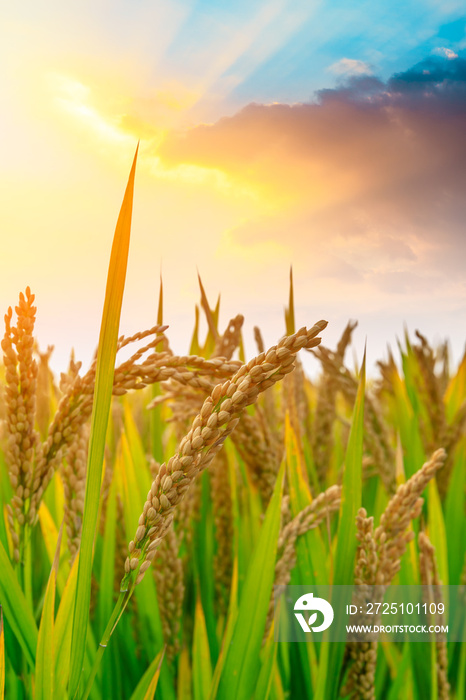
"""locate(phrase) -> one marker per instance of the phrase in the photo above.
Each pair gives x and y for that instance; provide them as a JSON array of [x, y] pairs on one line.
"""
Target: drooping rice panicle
[[267, 397], [363, 655], [187, 513], [378, 560], [376, 434], [325, 412], [260, 452], [168, 574], [454, 433], [259, 339], [296, 404], [75, 406], [360, 683], [227, 343], [309, 518], [387, 369], [302, 401], [218, 418], [74, 485], [73, 412], [443, 362], [430, 392], [429, 577], [223, 518], [121, 543], [392, 535], [258, 446], [46, 390]]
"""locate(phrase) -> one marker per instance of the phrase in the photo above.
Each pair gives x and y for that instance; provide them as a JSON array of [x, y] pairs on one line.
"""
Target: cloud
[[371, 174], [350, 66], [447, 53]]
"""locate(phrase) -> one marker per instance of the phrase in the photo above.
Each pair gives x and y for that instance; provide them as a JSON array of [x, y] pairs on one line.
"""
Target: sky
[[330, 137]]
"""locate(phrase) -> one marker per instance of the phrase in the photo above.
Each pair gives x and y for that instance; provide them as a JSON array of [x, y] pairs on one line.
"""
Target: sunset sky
[[326, 136]]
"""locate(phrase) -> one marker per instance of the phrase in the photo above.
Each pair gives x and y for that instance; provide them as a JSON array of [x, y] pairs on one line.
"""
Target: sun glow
[[75, 98]]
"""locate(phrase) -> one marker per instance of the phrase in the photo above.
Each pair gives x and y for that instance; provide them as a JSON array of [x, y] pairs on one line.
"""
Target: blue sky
[[298, 44]]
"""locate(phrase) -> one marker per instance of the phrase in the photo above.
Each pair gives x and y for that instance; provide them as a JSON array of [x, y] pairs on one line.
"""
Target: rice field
[[147, 511]]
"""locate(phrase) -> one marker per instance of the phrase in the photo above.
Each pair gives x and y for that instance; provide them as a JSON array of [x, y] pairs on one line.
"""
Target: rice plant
[[150, 505]]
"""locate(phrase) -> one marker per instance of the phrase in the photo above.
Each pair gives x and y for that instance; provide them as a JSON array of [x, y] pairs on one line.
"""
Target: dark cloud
[[445, 77], [374, 161]]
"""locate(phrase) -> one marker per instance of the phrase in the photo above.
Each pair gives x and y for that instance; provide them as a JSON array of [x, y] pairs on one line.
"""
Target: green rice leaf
[[134, 486], [44, 688], [229, 628], [462, 674], [184, 676], [311, 553], [45, 646], [202, 667], [203, 560], [62, 632], [145, 690], [269, 655], [455, 522], [351, 492], [437, 533], [2, 657], [6, 494], [331, 658], [400, 679], [17, 611], [107, 571], [99, 420], [239, 676], [50, 535], [456, 391]]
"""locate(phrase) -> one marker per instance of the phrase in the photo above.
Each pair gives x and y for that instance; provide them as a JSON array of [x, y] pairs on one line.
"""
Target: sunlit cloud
[[374, 174], [446, 53], [350, 66]]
